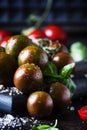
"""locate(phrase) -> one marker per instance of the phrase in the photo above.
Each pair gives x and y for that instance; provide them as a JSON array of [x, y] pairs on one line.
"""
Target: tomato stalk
[[39, 20]]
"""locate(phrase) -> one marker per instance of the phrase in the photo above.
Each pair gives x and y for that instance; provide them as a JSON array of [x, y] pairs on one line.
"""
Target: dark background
[[72, 17], [69, 14]]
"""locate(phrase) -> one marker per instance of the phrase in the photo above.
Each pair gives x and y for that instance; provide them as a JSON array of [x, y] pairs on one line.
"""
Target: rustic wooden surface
[[71, 120]]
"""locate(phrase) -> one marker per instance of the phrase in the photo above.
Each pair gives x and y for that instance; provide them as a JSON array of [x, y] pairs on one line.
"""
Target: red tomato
[[3, 33], [37, 33], [83, 113], [4, 41], [54, 32]]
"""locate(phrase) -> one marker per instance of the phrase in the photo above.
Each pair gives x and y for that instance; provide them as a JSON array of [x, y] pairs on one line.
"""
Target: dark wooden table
[[71, 120]]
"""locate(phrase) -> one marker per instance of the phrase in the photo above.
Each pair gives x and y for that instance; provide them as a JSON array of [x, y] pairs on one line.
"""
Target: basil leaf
[[34, 128], [50, 70], [45, 127], [66, 70], [41, 127], [49, 80], [70, 84]]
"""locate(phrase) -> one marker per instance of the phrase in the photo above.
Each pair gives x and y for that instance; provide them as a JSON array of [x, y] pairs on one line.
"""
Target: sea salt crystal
[[10, 117], [33, 118], [35, 122], [85, 75], [3, 127], [10, 93], [24, 121], [72, 108], [1, 86], [19, 128], [4, 90], [16, 91], [72, 76], [0, 119], [51, 124], [7, 119]]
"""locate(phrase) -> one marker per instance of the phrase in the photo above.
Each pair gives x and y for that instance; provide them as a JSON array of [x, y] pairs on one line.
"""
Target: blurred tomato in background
[[4, 36], [51, 31], [37, 33], [55, 32]]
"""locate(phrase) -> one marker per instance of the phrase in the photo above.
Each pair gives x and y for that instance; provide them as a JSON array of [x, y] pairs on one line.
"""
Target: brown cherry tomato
[[61, 59], [33, 54], [28, 78], [40, 104], [61, 97]]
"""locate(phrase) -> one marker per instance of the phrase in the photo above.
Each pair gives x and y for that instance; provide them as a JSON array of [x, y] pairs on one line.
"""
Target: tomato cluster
[[36, 70], [52, 32]]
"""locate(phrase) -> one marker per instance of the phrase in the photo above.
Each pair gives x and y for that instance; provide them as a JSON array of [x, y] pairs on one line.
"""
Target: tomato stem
[[56, 122], [39, 20]]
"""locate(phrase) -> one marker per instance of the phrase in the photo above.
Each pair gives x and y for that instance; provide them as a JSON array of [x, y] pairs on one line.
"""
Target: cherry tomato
[[54, 32], [37, 33], [3, 33], [4, 41], [83, 113], [61, 59], [40, 104], [61, 97]]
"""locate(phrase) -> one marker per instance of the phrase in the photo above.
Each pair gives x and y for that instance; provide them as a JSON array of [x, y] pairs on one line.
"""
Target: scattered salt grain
[[0, 120], [10, 122], [24, 121], [72, 108], [85, 75], [7, 119], [10, 90], [10, 117], [1, 86], [72, 76]]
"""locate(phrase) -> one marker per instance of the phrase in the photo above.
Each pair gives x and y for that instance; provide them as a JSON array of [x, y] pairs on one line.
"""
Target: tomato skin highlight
[[83, 113], [4, 41], [54, 32]]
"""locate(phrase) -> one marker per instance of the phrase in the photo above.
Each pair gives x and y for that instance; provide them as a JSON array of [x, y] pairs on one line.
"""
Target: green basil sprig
[[45, 127], [67, 70], [51, 75]]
